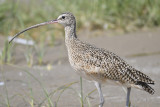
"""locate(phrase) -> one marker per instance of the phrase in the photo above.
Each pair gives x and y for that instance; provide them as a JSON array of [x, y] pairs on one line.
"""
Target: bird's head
[[66, 19]]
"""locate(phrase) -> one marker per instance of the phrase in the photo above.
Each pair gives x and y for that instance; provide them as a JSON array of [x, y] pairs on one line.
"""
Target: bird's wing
[[112, 66], [101, 64]]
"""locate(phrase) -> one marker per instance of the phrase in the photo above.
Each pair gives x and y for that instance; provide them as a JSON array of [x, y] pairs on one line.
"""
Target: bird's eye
[[63, 17]]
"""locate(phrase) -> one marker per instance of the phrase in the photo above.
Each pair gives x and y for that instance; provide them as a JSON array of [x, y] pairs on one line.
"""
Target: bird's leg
[[98, 85], [128, 97]]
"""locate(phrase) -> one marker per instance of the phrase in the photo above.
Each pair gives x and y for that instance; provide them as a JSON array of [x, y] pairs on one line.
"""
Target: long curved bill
[[34, 26]]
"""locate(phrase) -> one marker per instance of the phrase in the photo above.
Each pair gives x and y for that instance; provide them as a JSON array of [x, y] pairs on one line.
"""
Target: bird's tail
[[146, 87], [142, 77]]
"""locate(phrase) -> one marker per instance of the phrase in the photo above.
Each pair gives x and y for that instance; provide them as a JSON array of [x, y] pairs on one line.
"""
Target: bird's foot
[[129, 105], [101, 104]]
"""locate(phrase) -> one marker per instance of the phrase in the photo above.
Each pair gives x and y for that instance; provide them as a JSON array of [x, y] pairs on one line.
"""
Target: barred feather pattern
[[146, 87], [98, 64]]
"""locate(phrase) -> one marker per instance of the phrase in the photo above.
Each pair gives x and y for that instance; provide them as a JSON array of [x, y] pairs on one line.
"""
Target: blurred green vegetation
[[15, 15]]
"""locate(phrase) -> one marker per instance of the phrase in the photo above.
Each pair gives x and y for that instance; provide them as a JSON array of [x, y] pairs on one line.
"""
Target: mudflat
[[25, 85]]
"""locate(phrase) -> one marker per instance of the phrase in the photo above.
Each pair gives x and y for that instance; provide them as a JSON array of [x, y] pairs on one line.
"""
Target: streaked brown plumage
[[96, 64], [100, 65]]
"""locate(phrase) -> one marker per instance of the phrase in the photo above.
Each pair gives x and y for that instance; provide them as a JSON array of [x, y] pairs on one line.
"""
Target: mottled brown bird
[[97, 64]]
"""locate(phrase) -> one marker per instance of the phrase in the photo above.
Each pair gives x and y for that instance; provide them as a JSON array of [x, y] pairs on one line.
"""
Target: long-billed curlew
[[96, 64]]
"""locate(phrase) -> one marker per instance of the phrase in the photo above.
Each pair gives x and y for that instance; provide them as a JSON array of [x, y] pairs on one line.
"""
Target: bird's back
[[97, 64]]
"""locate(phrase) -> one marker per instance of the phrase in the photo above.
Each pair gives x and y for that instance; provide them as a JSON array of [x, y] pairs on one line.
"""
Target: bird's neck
[[70, 32]]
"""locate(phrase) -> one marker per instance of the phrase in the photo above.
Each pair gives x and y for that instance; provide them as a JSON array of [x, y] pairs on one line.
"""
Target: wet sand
[[139, 49]]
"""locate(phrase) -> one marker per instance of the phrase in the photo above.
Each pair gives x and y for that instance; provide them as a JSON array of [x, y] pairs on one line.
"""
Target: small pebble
[[1, 83]]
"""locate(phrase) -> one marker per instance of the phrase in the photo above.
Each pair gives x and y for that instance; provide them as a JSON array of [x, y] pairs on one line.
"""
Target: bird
[[97, 64]]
